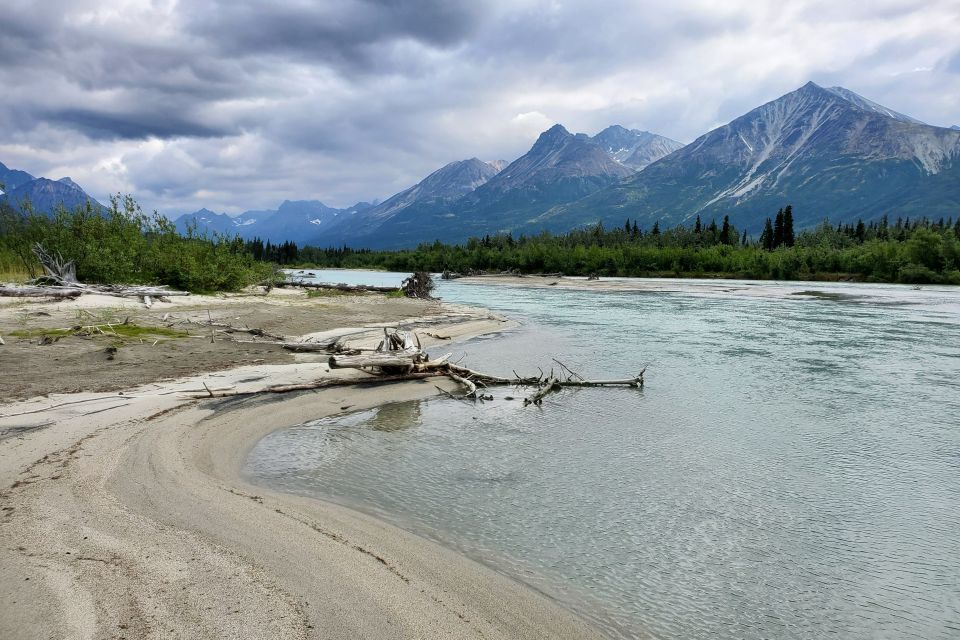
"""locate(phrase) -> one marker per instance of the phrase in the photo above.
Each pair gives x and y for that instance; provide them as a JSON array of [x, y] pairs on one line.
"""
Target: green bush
[[123, 245]]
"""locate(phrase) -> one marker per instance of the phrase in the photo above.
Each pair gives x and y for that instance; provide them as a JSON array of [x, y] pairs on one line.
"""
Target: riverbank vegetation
[[908, 251], [126, 245]]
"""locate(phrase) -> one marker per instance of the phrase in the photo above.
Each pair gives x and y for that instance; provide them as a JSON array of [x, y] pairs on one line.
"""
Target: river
[[790, 470]]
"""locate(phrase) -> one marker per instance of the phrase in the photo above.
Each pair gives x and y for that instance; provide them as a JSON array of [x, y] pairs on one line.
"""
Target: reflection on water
[[790, 470]]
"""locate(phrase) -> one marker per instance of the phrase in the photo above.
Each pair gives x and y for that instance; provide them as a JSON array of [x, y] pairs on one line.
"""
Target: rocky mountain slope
[[44, 195]]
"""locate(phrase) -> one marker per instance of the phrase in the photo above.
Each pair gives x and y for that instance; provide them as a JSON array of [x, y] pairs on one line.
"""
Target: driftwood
[[309, 346], [418, 285], [400, 357], [77, 289], [30, 292], [353, 288], [60, 281], [397, 355], [228, 328], [406, 358], [63, 271], [321, 384]]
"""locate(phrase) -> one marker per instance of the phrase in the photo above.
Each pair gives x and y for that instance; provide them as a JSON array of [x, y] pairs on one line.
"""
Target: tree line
[[123, 244], [909, 251]]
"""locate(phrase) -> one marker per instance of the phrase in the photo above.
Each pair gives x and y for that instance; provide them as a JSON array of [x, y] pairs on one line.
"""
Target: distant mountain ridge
[[295, 220], [450, 182], [560, 167], [634, 148]]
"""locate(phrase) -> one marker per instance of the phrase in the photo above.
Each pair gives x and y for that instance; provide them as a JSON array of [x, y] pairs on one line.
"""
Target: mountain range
[[44, 195], [829, 152], [470, 197]]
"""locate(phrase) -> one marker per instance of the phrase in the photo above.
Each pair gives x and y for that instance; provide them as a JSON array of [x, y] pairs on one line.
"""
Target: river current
[[790, 470]]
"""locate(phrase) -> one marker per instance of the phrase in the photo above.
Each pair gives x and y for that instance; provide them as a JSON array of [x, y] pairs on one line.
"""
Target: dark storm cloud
[[347, 33], [130, 124]]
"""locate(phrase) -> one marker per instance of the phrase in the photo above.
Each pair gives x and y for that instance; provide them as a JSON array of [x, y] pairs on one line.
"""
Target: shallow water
[[789, 471]]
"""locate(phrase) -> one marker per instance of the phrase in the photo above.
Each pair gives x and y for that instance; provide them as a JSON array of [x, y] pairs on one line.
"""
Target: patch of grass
[[116, 331], [396, 294], [39, 333]]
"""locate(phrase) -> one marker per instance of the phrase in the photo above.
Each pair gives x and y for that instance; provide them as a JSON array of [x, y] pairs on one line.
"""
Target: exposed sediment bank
[[124, 514]]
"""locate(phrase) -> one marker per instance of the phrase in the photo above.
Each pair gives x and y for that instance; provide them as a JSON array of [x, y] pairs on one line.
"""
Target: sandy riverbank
[[124, 513], [703, 287]]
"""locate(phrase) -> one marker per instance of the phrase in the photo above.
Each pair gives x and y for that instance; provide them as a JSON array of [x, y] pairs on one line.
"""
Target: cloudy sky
[[240, 104]]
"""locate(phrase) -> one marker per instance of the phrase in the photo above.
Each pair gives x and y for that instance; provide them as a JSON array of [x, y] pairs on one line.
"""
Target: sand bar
[[124, 515]]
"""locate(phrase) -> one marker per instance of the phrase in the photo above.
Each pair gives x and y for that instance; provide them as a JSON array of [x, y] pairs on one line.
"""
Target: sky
[[241, 104]]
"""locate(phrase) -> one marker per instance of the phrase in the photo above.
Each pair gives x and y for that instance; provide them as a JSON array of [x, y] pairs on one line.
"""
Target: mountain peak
[[555, 134], [634, 148], [616, 129]]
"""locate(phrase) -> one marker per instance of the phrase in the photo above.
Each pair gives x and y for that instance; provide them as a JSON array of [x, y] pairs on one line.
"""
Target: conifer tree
[[861, 232], [725, 231], [778, 230], [656, 228], [766, 238], [788, 237], [697, 228]]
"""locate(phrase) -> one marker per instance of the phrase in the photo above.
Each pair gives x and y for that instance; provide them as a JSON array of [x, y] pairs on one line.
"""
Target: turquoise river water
[[790, 470]]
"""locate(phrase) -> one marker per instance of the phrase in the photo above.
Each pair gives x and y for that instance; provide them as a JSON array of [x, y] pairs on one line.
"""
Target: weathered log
[[353, 288], [309, 347], [470, 386], [77, 289], [399, 358], [50, 292], [322, 384], [64, 271], [551, 385]]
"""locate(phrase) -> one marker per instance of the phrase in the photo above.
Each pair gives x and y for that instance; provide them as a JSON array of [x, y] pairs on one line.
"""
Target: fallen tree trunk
[[353, 288], [400, 357], [377, 359], [29, 292], [551, 385], [309, 346], [77, 289], [320, 384]]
